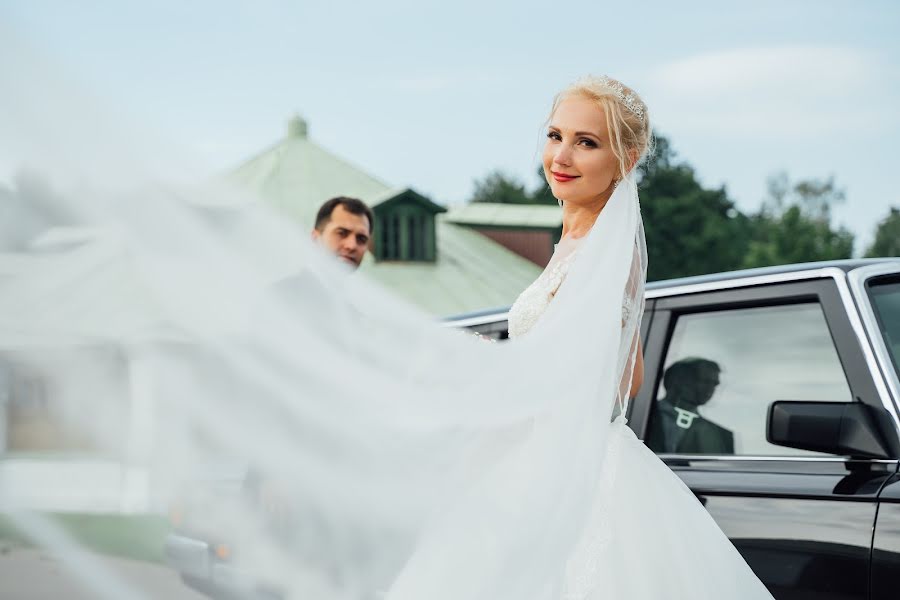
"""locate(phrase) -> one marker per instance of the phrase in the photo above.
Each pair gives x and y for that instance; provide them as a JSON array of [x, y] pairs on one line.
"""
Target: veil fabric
[[414, 461], [385, 431], [180, 329]]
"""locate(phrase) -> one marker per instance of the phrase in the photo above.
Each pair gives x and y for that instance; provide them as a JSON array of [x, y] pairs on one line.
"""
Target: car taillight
[[222, 551]]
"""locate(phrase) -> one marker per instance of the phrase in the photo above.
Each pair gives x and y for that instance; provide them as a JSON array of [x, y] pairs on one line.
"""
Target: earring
[[560, 202], [616, 183]]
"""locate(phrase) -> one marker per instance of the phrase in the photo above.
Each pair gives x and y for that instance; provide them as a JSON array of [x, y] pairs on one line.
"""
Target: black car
[[774, 394]]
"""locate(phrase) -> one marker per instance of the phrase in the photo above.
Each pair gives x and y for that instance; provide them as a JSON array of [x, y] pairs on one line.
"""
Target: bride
[[646, 537], [417, 462]]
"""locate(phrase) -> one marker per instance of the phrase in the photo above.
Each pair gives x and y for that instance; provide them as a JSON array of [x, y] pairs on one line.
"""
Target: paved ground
[[29, 574]]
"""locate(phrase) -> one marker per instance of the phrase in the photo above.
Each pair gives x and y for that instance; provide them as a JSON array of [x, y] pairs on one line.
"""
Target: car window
[[886, 300], [723, 370]]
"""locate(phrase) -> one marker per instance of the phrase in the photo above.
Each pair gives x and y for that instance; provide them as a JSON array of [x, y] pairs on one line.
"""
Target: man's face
[[707, 382], [345, 234]]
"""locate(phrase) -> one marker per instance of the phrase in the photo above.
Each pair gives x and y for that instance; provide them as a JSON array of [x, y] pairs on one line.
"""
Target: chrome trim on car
[[857, 283], [479, 320], [695, 288], [739, 282], [811, 459], [698, 288]]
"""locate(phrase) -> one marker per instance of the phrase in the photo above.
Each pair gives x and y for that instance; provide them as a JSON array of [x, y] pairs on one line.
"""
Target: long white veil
[[405, 459]]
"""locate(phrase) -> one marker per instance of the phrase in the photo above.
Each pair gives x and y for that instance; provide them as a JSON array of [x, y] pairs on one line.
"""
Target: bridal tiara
[[630, 101]]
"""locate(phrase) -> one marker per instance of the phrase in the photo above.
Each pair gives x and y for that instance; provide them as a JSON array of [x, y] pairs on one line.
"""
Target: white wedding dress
[[645, 535]]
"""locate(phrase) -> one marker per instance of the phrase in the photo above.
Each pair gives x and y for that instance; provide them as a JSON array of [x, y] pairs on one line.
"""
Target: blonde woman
[[620, 524]]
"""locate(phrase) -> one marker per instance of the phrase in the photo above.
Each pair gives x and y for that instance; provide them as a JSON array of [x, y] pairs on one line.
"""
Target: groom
[[344, 227]]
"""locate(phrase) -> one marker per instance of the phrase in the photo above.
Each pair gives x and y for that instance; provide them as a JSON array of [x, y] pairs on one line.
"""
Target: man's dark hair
[[687, 370], [351, 205]]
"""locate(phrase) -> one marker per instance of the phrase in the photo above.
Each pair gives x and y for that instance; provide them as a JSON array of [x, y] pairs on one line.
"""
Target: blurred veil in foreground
[[400, 451]]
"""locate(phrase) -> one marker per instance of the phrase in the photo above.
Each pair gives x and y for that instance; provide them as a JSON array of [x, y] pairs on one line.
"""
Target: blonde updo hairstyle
[[631, 136]]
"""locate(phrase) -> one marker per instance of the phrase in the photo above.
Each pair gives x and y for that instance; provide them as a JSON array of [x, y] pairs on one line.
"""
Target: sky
[[434, 95]]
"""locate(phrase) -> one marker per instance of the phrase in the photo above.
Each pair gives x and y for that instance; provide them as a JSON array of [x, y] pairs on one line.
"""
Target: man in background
[[344, 226]]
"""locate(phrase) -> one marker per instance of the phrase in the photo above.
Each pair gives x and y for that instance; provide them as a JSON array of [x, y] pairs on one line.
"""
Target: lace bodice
[[533, 302]]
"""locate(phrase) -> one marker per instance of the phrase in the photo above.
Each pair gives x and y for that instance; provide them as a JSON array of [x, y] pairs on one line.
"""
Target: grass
[[138, 537]]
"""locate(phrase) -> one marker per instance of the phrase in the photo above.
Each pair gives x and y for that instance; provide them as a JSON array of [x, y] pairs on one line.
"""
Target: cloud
[[804, 90]]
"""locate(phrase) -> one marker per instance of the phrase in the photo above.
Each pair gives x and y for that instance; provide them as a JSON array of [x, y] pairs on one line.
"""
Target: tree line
[[693, 230]]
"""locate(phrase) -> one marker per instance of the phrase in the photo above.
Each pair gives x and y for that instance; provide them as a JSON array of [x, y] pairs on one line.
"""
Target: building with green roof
[[442, 266], [529, 230]]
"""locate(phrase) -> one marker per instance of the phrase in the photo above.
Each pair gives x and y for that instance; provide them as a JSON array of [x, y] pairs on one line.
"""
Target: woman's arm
[[637, 375], [632, 386]]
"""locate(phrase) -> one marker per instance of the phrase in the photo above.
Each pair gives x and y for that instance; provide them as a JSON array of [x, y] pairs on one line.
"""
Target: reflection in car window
[[886, 300], [724, 369]]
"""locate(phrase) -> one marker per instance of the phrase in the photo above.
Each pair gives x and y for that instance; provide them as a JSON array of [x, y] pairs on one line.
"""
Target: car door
[[886, 544], [715, 361], [883, 291]]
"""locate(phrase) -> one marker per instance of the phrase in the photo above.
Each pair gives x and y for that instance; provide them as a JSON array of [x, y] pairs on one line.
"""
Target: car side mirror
[[843, 428]]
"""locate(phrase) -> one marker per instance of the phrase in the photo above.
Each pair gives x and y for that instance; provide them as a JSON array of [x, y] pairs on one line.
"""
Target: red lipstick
[[562, 177]]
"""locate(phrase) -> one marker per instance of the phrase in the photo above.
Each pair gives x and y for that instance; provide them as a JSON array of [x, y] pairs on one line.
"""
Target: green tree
[[794, 224], [690, 230], [887, 236], [499, 188]]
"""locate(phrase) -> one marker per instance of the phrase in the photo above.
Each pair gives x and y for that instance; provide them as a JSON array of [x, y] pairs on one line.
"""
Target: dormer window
[[388, 238], [405, 228], [406, 237]]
